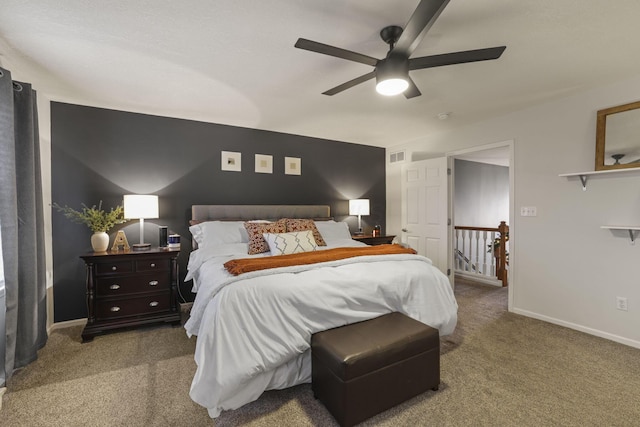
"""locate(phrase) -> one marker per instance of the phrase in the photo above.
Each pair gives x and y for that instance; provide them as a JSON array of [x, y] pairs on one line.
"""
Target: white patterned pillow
[[290, 243]]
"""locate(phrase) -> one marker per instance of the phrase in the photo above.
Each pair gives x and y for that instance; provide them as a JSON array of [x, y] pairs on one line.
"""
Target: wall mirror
[[618, 137]]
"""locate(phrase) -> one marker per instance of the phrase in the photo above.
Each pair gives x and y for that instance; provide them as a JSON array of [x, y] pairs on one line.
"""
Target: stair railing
[[481, 253]]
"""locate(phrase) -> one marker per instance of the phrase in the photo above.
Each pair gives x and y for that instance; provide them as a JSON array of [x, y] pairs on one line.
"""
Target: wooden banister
[[462, 227], [501, 253]]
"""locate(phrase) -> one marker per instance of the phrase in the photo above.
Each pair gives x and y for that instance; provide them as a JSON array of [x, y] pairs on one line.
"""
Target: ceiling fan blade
[[420, 22], [412, 91], [350, 83], [456, 58], [335, 51]]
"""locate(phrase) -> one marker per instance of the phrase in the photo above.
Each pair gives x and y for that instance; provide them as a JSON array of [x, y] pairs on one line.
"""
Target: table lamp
[[138, 206], [359, 207]]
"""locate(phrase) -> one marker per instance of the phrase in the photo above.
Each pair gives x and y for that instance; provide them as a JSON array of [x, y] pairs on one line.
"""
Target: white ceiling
[[233, 61]]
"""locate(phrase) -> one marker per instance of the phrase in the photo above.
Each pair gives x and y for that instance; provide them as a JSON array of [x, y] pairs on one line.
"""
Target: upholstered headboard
[[201, 213], [249, 212]]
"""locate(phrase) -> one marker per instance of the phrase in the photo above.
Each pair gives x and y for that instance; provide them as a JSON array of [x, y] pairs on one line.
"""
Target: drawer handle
[[153, 304], [115, 308], [153, 283], [153, 265], [114, 287], [114, 268]]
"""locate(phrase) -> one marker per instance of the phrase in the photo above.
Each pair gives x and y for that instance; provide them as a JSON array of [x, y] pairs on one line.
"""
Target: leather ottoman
[[365, 368]]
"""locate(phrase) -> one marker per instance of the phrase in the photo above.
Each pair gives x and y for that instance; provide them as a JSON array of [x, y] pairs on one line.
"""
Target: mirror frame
[[601, 129]]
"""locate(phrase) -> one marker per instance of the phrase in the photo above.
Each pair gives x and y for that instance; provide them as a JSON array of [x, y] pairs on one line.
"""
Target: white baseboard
[[2, 391], [478, 278], [574, 326], [67, 324]]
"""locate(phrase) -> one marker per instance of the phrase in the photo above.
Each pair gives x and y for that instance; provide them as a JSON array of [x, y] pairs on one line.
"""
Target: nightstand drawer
[[117, 286], [139, 306], [145, 265], [115, 267]]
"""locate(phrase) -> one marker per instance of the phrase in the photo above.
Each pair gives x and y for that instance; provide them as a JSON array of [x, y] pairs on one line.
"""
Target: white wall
[[481, 198], [565, 268]]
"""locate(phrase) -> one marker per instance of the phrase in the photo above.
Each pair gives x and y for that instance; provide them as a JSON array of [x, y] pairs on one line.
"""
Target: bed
[[253, 329]]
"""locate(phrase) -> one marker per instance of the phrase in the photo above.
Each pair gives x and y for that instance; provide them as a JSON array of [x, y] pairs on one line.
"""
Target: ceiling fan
[[392, 72]]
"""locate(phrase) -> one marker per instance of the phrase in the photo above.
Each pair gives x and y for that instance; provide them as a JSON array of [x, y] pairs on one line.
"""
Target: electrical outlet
[[621, 303]]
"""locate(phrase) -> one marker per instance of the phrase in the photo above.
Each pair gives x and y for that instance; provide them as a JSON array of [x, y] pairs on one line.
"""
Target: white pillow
[[290, 243], [331, 230], [213, 233]]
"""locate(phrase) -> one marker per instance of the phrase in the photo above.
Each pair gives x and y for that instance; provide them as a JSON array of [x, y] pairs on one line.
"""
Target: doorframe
[[451, 156]]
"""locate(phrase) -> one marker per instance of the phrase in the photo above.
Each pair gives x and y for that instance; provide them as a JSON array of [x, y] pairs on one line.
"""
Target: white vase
[[100, 241]]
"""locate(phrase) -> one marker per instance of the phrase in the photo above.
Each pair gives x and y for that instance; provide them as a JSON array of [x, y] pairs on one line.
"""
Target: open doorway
[[481, 203]]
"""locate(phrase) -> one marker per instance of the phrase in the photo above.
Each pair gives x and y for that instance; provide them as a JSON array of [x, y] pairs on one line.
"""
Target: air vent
[[396, 157]]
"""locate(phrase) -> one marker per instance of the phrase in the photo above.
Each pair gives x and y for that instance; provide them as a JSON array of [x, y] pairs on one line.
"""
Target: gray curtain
[[21, 224]]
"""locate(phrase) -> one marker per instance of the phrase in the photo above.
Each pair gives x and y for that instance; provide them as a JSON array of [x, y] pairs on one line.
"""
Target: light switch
[[528, 211]]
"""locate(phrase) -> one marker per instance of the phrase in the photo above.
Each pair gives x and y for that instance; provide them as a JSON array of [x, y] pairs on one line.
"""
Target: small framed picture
[[264, 163], [292, 166], [231, 161]]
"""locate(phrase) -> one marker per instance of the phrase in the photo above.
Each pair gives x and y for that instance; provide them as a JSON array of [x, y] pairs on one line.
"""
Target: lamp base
[[141, 246]]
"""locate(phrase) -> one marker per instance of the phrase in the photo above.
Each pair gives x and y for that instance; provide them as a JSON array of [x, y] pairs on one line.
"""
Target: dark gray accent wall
[[481, 194], [100, 155]]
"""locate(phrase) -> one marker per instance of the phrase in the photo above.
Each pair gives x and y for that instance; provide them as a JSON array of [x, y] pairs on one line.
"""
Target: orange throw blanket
[[245, 265]]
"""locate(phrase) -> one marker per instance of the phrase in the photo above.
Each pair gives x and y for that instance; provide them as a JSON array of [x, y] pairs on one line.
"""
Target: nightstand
[[377, 240], [127, 289]]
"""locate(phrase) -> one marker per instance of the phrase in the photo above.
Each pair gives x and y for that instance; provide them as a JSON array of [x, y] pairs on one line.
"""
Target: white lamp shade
[[140, 206], [359, 207]]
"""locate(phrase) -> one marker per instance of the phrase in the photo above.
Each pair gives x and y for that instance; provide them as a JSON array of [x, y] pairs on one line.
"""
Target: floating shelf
[[583, 175], [630, 228]]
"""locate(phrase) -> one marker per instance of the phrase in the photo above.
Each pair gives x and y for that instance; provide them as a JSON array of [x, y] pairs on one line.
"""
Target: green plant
[[97, 219], [495, 245]]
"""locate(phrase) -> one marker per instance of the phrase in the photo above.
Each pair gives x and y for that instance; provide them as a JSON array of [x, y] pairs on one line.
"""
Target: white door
[[425, 202]]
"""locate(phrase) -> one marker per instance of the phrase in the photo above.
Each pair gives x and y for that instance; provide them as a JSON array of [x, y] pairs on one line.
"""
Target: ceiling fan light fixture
[[392, 72], [392, 86], [392, 76]]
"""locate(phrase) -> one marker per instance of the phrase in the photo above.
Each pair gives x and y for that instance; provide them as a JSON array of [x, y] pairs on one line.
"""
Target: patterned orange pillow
[[305, 224], [257, 244]]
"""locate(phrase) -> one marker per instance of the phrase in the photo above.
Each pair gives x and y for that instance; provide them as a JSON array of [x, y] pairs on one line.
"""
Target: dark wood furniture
[[371, 240], [127, 289]]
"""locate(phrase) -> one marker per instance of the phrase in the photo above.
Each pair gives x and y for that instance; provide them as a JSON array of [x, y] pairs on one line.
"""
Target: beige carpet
[[498, 369]]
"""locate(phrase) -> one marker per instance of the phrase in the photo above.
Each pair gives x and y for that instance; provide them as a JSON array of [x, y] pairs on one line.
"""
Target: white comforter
[[254, 330]]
